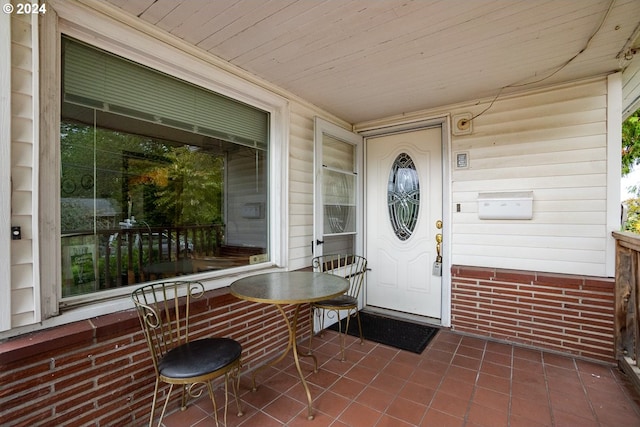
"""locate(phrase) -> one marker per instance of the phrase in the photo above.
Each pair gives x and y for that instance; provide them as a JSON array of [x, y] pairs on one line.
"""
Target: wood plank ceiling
[[365, 59]]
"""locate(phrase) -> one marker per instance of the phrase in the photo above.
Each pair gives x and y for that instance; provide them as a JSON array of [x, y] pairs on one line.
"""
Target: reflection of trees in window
[[185, 191], [189, 164], [155, 181]]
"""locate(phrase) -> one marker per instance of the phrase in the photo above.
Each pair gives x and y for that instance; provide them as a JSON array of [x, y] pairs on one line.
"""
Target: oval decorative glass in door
[[403, 196]]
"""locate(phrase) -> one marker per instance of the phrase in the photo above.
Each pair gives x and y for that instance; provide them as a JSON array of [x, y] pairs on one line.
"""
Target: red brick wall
[[570, 314], [98, 372]]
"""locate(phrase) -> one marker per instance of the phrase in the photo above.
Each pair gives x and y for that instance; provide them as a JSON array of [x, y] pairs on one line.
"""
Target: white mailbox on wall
[[505, 205]]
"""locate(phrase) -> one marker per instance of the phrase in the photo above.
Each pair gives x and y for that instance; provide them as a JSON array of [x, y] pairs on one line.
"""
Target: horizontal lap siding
[[569, 314], [5, 170], [552, 143], [301, 174], [300, 187], [23, 292]]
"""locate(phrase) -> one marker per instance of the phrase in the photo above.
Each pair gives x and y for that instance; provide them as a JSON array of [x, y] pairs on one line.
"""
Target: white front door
[[403, 208]]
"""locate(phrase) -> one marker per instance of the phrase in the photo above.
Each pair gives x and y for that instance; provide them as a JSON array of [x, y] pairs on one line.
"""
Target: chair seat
[[339, 301], [199, 357]]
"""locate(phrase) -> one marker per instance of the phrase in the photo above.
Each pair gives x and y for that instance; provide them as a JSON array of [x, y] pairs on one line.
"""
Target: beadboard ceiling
[[367, 59]]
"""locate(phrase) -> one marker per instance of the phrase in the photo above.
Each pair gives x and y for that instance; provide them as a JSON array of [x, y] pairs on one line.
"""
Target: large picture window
[[159, 178]]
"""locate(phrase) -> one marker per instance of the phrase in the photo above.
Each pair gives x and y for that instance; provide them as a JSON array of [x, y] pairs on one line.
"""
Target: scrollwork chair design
[[353, 268], [164, 310]]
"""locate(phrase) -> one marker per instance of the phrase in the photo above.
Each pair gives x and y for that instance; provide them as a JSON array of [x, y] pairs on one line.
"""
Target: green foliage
[[159, 182], [630, 143], [632, 223], [631, 158], [193, 190], [108, 176]]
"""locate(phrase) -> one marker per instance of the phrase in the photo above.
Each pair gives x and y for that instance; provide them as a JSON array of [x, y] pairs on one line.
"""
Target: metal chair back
[[164, 313], [352, 267], [164, 310]]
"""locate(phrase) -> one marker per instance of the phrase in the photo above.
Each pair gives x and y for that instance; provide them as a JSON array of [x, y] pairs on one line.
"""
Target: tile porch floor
[[457, 381]]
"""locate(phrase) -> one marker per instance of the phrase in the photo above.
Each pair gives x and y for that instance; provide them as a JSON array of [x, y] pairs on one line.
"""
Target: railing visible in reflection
[[627, 300], [125, 256]]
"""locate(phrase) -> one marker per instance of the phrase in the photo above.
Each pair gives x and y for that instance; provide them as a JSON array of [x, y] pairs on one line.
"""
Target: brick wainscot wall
[[98, 372], [564, 313]]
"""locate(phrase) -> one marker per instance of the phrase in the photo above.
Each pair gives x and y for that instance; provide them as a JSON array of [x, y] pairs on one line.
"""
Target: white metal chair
[[353, 268]]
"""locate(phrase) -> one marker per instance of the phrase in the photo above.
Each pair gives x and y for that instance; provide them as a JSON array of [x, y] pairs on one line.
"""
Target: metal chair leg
[[235, 384], [183, 401], [360, 327], [343, 335], [164, 407], [153, 403], [215, 407]]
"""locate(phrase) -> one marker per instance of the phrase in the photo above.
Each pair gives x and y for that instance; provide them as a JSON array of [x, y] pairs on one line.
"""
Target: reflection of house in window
[[84, 214]]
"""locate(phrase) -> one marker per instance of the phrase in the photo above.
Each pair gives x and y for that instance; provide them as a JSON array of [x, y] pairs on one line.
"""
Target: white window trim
[[323, 127], [175, 58], [614, 168]]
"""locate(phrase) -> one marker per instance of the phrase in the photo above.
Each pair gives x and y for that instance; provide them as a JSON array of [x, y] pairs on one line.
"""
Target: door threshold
[[415, 318]]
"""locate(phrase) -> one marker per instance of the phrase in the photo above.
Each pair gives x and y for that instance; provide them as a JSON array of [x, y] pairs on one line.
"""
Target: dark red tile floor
[[456, 381]]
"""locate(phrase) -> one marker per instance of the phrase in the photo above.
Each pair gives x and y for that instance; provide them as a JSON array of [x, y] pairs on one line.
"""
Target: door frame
[[445, 125], [322, 127]]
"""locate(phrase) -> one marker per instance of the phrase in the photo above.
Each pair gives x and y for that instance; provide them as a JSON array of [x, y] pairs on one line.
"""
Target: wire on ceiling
[[557, 69]]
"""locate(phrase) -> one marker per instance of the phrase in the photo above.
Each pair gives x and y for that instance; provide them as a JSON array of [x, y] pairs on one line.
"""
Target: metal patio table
[[290, 288]]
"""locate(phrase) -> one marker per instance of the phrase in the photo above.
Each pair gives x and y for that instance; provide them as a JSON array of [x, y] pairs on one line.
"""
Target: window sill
[[114, 305], [77, 334]]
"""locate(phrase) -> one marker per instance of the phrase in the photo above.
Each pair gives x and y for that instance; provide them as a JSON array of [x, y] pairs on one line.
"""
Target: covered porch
[[98, 372], [459, 380], [535, 324]]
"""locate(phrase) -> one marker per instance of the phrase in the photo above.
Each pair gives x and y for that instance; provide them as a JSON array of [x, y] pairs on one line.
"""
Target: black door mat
[[394, 332]]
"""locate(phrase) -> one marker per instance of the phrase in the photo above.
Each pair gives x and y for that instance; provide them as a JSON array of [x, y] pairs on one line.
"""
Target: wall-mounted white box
[[506, 205], [251, 210]]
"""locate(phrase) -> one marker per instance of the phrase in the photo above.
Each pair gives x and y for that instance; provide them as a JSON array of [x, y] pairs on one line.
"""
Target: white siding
[[553, 143], [23, 254], [300, 186], [294, 126], [301, 191], [5, 170]]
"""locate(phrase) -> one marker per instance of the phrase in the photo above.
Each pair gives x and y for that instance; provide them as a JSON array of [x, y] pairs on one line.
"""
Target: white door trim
[[322, 127], [445, 123]]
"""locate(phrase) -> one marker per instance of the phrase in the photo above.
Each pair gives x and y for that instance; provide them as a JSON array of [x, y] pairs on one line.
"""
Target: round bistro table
[[290, 288]]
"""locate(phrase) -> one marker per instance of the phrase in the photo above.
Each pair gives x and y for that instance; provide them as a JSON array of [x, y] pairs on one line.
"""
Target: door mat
[[396, 333]]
